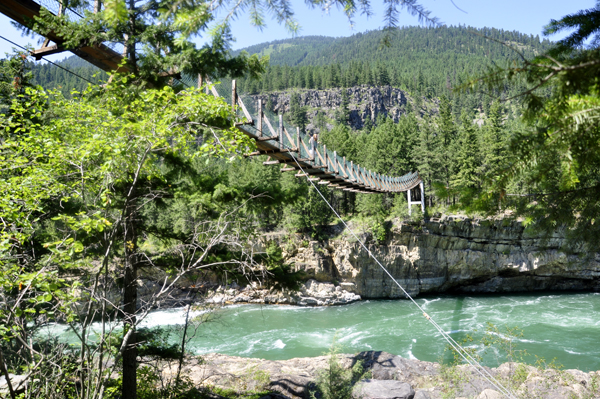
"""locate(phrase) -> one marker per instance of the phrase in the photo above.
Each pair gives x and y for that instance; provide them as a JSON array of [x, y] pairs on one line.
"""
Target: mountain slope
[[425, 61]]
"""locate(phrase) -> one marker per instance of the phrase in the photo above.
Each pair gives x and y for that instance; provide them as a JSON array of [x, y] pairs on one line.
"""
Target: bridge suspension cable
[[464, 354]]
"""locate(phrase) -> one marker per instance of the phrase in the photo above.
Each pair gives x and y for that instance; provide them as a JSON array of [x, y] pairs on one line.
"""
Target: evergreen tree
[[297, 112], [467, 157], [424, 156], [342, 113], [493, 141], [446, 131], [383, 78]]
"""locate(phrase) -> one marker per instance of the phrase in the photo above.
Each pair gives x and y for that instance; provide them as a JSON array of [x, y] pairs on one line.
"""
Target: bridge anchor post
[[420, 202], [422, 187]]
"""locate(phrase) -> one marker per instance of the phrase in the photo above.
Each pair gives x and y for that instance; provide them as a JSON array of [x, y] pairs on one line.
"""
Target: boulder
[[383, 389], [490, 394], [421, 394]]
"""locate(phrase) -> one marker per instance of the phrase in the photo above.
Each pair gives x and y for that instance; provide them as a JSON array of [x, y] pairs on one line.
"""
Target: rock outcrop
[[390, 377], [364, 103], [450, 255], [311, 293]]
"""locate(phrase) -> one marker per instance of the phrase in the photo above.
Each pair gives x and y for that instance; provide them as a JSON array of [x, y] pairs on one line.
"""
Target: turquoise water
[[562, 326]]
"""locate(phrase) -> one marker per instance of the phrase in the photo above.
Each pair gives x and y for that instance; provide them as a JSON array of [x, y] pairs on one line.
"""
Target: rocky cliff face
[[364, 102], [450, 255]]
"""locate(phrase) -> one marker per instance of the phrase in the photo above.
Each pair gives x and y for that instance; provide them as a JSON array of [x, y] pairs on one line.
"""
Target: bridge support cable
[[464, 354]]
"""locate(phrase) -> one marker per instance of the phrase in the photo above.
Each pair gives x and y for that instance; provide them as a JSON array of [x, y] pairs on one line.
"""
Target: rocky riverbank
[[311, 293], [389, 376]]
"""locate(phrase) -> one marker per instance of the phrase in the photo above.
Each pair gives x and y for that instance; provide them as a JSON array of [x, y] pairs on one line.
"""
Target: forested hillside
[[81, 74], [429, 61]]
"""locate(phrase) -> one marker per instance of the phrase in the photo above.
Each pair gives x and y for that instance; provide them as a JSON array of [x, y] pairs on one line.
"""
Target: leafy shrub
[[337, 382]]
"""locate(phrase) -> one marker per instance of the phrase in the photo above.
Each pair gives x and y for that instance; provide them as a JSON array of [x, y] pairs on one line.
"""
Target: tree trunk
[[130, 344], [129, 389]]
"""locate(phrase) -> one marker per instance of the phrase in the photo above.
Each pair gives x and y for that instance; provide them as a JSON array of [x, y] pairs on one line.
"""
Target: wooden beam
[[172, 73], [287, 169], [259, 125], [266, 152], [320, 156], [281, 161], [267, 138], [47, 50], [245, 111], [213, 90], [233, 96], [301, 174], [307, 151], [290, 139], [280, 131], [25, 11], [268, 122]]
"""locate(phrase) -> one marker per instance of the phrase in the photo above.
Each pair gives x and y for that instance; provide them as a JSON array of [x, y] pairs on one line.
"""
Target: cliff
[[364, 102], [453, 255]]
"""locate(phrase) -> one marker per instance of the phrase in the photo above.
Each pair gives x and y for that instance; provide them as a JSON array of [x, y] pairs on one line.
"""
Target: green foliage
[[297, 112], [151, 385], [73, 172], [503, 340], [154, 342], [15, 77], [309, 209], [466, 179], [337, 382], [280, 274], [551, 166]]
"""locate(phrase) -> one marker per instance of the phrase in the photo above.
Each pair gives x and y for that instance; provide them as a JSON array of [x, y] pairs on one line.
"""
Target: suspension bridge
[[285, 146]]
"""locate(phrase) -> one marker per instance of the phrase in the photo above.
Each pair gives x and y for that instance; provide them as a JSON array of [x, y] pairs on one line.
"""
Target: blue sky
[[526, 16]]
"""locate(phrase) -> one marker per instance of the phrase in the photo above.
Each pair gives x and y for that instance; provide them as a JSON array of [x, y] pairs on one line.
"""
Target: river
[[564, 326]]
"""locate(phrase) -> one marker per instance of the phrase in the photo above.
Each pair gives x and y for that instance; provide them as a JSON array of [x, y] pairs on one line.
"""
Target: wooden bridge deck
[[288, 150]]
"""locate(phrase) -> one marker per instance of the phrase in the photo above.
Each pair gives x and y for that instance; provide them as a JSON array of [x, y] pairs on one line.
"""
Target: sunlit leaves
[[115, 11]]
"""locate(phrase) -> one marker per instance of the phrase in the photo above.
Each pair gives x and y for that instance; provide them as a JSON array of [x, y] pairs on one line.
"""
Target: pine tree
[[467, 157], [342, 113], [424, 155], [493, 140], [297, 112], [446, 130]]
